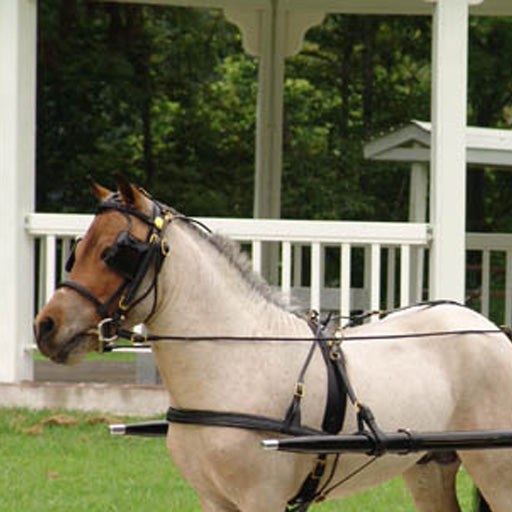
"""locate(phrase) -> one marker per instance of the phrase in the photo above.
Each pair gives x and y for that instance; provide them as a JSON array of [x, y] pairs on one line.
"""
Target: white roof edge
[[485, 146], [397, 137], [388, 7]]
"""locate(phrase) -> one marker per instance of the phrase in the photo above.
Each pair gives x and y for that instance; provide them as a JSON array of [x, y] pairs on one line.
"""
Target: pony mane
[[238, 259]]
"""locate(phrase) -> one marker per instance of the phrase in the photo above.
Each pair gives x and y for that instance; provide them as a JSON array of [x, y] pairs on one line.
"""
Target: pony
[[236, 348]]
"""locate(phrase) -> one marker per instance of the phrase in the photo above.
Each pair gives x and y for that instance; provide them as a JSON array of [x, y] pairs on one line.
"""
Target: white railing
[[323, 265], [489, 276]]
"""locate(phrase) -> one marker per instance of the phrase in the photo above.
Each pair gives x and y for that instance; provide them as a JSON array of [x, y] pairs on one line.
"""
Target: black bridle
[[131, 258]]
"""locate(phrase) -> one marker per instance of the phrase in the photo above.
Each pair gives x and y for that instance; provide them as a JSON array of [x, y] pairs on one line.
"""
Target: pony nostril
[[45, 328]]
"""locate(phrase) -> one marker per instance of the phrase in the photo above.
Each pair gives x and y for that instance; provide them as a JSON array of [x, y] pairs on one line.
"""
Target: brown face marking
[[62, 328]]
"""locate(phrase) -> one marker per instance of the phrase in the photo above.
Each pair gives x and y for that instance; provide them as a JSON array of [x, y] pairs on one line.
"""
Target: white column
[[17, 149], [18, 20], [418, 193], [448, 157], [269, 133], [271, 34]]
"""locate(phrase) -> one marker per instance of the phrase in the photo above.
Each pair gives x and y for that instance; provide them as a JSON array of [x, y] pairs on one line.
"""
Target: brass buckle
[[122, 305], [299, 389], [164, 247], [313, 316], [335, 345], [335, 355]]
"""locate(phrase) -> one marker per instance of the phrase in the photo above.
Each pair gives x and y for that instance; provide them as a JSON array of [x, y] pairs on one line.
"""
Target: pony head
[[112, 271]]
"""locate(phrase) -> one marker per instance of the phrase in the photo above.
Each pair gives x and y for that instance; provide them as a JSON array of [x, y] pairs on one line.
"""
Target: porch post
[[269, 132], [418, 191], [271, 34], [18, 21], [448, 149]]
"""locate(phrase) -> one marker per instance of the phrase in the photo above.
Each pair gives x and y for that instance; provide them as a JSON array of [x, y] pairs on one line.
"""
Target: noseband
[[131, 258]]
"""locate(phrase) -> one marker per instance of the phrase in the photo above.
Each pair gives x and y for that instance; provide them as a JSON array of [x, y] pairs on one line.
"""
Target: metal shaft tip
[[270, 444], [117, 429]]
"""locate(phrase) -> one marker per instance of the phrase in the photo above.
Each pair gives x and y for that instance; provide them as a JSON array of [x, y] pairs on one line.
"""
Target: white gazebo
[[272, 30], [412, 144]]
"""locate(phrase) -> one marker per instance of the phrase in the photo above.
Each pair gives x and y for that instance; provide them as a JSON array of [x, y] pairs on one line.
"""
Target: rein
[[138, 339]]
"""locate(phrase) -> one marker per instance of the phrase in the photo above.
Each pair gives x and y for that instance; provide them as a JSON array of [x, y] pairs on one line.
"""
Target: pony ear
[[100, 192], [130, 195]]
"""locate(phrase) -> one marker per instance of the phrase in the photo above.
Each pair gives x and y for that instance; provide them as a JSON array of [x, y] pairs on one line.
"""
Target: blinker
[[127, 255]]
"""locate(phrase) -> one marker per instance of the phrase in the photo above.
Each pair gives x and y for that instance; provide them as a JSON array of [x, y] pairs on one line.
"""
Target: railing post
[[345, 268], [391, 276], [405, 275], [286, 270], [317, 275], [18, 24], [375, 277]]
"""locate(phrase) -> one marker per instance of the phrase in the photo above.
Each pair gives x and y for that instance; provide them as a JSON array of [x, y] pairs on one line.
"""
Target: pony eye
[[106, 253]]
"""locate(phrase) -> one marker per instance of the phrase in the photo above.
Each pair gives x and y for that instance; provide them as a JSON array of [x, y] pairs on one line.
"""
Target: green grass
[[81, 467], [61, 461], [118, 357], [394, 497]]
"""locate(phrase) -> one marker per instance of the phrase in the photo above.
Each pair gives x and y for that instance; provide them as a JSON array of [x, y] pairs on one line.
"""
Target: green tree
[[167, 96]]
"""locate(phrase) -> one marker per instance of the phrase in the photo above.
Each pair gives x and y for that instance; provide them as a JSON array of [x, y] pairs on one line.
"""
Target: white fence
[[325, 265], [489, 275], [322, 265]]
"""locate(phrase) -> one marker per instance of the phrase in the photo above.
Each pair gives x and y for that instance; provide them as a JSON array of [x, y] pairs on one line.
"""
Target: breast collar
[[152, 250]]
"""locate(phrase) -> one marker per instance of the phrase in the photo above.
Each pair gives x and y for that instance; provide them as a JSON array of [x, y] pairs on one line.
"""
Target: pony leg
[[492, 473], [432, 485]]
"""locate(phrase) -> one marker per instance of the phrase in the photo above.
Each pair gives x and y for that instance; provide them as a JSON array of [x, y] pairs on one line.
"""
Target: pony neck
[[202, 292]]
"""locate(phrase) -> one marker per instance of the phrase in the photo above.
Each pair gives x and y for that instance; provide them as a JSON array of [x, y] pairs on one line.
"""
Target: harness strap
[[334, 415], [236, 420], [309, 489]]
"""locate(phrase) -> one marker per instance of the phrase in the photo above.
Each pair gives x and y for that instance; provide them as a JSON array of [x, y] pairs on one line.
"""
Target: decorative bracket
[[291, 25]]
